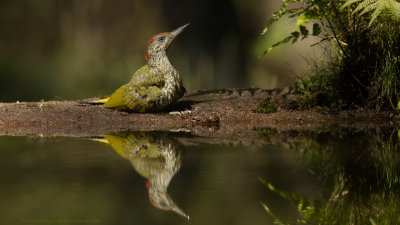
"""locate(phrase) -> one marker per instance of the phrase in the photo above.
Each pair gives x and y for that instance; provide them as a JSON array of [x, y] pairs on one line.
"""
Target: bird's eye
[[161, 38]]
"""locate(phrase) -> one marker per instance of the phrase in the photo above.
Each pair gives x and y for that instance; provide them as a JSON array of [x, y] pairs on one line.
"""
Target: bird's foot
[[180, 113]]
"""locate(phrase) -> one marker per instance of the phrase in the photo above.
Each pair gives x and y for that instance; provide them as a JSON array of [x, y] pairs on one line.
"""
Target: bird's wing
[[117, 142], [140, 94], [146, 77], [118, 99], [145, 87]]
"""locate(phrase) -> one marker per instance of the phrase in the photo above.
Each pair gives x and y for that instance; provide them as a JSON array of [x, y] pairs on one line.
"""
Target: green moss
[[321, 88], [267, 106], [268, 134]]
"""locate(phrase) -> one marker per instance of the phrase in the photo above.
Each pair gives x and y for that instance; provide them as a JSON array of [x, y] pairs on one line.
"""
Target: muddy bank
[[218, 115]]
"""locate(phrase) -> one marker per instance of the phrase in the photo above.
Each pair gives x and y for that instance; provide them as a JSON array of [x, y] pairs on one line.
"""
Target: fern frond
[[376, 7], [375, 15], [364, 4], [348, 3], [396, 9]]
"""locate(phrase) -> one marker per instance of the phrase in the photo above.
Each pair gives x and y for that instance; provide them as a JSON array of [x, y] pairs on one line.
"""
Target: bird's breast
[[171, 91]]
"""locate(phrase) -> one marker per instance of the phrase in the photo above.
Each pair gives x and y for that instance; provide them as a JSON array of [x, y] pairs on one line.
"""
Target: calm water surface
[[336, 176]]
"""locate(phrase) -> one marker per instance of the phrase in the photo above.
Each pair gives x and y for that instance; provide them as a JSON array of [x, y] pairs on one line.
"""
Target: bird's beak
[[176, 32], [179, 211], [173, 207]]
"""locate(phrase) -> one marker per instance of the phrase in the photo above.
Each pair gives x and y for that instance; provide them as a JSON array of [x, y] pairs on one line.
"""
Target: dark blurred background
[[73, 49]]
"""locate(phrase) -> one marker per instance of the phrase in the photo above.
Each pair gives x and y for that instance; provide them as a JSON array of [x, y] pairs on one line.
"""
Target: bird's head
[[160, 42], [162, 201]]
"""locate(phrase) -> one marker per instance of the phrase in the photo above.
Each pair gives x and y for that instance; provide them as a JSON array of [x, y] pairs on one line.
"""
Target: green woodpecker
[[155, 85], [154, 156]]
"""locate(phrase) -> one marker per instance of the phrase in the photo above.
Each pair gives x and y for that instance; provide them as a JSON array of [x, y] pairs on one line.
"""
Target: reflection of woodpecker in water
[[156, 157]]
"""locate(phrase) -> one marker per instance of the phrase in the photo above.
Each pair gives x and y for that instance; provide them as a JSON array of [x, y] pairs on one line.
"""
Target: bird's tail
[[101, 140], [100, 101], [94, 101], [116, 141]]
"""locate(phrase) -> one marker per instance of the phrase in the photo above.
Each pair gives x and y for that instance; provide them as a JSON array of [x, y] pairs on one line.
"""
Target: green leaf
[[280, 13], [276, 219], [316, 29], [306, 17], [266, 208], [283, 41], [295, 36], [265, 30], [304, 31], [303, 19]]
